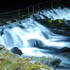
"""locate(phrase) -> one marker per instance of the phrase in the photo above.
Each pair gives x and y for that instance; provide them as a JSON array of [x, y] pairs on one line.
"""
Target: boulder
[[55, 63], [17, 51], [65, 49]]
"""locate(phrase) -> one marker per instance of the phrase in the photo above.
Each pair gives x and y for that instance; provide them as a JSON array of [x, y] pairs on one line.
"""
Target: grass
[[11, 61]]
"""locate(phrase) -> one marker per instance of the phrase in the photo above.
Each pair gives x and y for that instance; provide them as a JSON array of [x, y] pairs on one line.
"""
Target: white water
[[19, 37], [25, 36], [57, 13]]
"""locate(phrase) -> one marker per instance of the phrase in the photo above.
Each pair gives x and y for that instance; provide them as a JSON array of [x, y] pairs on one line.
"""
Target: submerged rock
[[17, 51]]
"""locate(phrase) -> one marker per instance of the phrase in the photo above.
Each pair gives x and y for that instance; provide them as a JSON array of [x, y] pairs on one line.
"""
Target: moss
[[49, 20], [60, 21], [11, 61], [35, 66]]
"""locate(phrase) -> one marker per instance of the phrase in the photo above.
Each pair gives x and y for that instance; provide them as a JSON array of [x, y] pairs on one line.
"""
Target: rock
[[34, 42], [45, 35], [67, 22], [65, 49], [2, 32], [21, 26], [17, 51], [55, 62], [1, 47], [32, 62]]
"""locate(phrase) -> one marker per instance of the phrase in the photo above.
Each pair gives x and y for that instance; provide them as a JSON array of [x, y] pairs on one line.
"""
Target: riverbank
[[11, 61]]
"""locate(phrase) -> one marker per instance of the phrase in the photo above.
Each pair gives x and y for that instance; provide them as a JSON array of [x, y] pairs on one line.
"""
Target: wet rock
[[1, 47], [21, 26], [65, 49], [2, 23], [17, 51], [2, 32], [67, 22], [45, 35], [36, 43], [55, 63]]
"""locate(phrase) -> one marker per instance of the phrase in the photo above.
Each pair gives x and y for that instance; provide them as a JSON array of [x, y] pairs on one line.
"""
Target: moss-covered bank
[[11, 61]]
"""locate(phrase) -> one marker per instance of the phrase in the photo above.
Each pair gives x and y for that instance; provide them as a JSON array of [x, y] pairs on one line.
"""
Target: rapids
[[35, 39]]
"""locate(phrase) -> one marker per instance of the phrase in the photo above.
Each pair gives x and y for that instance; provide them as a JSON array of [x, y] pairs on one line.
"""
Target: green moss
[[35, 66], [11, 61], [49, 20], [60, 21]]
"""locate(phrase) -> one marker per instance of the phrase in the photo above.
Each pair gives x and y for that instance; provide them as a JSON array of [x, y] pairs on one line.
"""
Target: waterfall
[[19, 35], [59, 13]]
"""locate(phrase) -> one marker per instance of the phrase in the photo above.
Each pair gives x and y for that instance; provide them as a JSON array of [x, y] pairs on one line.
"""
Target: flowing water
[[37, 40]]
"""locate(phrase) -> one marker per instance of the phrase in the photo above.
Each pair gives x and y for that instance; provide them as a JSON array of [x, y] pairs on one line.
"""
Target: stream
[[34, 39]]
